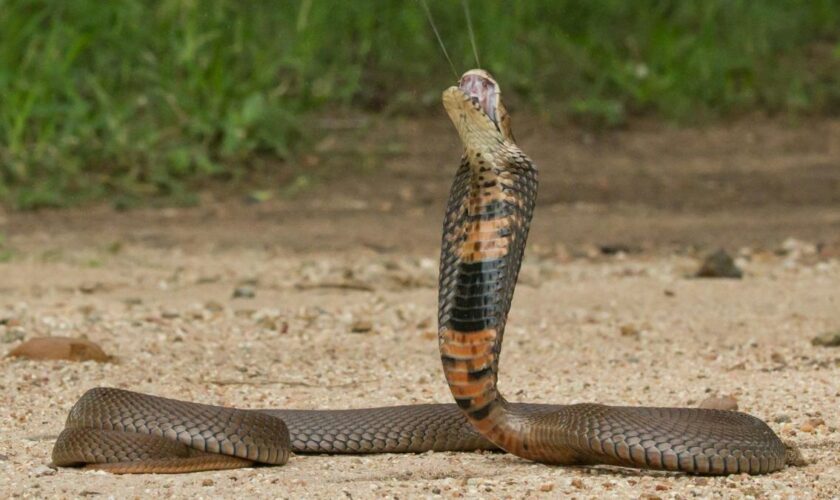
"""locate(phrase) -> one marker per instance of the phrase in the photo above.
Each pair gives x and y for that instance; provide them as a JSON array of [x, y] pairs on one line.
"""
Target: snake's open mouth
[[483, 90]]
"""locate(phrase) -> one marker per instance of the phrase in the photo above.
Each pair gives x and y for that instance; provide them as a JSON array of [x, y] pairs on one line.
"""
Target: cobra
[[485, 230]]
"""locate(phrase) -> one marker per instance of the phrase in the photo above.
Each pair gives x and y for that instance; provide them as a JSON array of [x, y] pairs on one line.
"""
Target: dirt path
[[154, 287]]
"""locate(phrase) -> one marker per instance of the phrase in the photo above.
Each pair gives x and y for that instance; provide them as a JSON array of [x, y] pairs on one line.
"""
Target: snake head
[[476, 109], [483, 91]]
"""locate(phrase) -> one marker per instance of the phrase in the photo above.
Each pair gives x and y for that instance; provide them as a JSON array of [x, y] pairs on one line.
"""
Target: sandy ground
[[155, 289]]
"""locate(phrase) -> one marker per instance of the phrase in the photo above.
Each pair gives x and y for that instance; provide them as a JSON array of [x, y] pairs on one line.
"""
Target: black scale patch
[[475, 305]]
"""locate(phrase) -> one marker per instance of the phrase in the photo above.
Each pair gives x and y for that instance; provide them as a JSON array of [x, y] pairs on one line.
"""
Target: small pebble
[[267, 322], [793, 455], [169, 314], [213, 306], [828, 339], [89, 288], [244, 292], [361, 326], [719, 265], [42, 470], [811, 424], [781, 418], [546, 487], [618, 248], [13, 335], [629, 331], [577, 483], [720, 403], [207, 482]]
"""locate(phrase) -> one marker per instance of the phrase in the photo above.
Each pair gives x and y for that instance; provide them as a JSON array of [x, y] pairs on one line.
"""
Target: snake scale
[[485, 229]]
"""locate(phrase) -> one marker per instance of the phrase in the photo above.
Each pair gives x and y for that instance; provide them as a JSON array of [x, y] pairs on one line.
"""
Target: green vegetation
[[6, 253], [136, 98]]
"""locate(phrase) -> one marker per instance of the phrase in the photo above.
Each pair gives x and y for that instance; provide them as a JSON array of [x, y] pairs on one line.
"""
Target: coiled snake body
[[484, 234]]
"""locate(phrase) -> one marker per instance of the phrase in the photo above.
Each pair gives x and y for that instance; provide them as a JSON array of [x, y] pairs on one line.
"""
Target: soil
[[607, 309]]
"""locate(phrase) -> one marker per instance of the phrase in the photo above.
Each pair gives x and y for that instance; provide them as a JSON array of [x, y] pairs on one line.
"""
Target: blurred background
[[242, 201], [137, 103]]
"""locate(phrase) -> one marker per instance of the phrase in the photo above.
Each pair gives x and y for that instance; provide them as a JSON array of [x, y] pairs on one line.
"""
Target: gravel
[[586, 330]]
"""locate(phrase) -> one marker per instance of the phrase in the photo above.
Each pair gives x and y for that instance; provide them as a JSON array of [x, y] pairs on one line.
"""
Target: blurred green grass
[[139, 99]]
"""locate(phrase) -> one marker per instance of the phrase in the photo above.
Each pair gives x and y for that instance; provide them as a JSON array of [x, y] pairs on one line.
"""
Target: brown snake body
[[485, 229]]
